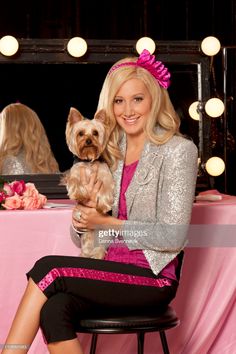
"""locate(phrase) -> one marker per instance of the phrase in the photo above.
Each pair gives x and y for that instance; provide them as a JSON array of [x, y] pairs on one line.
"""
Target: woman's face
[[132, 105]]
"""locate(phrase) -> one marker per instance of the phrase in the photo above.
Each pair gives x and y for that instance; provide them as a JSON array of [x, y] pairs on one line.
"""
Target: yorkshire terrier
[[87, 140]]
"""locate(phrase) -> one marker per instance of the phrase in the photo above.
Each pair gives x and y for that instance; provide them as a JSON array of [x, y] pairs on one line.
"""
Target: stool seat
[[131, 324], [140, 324]]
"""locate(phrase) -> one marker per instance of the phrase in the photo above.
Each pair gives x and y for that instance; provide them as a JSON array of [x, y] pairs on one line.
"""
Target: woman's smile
[[131, 120]]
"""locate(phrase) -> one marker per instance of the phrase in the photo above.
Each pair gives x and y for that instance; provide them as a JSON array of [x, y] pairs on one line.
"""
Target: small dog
[[87, 140]]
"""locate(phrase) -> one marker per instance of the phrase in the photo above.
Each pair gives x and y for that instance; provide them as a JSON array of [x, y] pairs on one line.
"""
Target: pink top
[[119, 252]]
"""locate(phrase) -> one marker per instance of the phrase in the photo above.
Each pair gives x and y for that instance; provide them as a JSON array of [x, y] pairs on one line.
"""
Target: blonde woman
[[155, 181], [24, 146]]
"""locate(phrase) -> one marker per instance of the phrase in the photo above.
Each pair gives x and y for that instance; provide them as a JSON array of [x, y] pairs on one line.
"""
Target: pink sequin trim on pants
[[102, 276]]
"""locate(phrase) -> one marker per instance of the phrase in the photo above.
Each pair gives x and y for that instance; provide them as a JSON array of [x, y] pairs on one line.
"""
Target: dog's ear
[[101, 116], [74, 116]]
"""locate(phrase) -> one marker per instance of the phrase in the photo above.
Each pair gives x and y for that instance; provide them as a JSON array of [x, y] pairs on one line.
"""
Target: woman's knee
[[43, 265], [45, 261]]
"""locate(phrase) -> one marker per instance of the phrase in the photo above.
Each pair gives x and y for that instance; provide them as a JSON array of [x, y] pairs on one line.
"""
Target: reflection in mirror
[[24, 145]]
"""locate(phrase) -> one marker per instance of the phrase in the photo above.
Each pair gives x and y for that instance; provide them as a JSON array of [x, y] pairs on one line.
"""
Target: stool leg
[[140, 337], [164, 342], [93, 343]]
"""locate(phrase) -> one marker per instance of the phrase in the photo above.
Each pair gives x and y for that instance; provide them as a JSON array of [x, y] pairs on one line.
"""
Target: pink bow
[[156, 68]]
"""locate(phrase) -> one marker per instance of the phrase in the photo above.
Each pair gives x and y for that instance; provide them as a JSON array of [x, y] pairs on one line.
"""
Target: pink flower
[[7, 188], [2, 196], [30, 190], [43, 199], [33, 202], [18, 187], [20, 195], [30, 203], [13, 202]]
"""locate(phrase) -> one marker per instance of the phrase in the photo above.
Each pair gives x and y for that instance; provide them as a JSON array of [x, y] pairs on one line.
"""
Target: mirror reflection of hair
[[24, 146]]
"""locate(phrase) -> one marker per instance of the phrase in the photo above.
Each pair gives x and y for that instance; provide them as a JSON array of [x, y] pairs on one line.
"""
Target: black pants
[[79, 287]]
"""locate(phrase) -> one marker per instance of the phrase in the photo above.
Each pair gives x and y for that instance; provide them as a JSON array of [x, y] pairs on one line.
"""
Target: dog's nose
[[88, 141]]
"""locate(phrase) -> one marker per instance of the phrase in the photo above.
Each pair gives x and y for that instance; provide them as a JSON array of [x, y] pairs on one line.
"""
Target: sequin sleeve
[[75, 237], [174, 195], [14, 165]]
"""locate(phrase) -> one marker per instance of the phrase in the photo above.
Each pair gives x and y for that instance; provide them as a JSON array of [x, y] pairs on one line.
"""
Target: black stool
[[139, 324]]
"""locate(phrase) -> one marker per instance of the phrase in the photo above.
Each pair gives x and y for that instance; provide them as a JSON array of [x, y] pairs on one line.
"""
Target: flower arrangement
[[20, 195]]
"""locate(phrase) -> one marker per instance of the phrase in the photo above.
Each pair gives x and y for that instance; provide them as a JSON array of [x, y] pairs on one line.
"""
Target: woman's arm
[[91, 219], [13, 165], [175, 200]]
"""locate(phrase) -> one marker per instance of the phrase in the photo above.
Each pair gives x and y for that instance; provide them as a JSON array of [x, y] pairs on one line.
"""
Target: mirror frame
[[54, 51]]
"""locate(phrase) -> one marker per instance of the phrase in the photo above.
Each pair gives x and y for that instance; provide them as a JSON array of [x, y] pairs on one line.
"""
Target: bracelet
[[80, 232]]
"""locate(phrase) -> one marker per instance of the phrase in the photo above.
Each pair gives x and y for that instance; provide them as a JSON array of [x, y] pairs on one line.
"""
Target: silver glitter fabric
[[159, 200], [15, 165]]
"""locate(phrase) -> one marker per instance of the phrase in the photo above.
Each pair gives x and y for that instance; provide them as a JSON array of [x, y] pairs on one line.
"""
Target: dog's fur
[[87, 140]]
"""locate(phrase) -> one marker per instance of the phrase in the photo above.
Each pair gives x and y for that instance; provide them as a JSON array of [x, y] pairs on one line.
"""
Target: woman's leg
[[33, 309], [26, 322], [107, 286], [58, 319]]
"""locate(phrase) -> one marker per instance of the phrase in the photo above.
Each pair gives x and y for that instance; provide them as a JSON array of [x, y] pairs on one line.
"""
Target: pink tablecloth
[[205, 302]]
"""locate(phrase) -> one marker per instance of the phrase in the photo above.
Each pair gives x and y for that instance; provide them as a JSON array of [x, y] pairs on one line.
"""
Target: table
[[205, 301]]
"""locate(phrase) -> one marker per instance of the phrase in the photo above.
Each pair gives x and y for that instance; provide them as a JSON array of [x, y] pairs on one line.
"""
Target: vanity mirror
[[45, 77]]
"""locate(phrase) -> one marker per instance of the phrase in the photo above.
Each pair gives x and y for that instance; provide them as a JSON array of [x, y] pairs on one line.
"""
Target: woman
[[24, 146], [155, 183]]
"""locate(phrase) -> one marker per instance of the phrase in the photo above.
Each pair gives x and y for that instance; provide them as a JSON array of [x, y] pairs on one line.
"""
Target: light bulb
[[194, 114], [214, 107], [9, 45], [215, 166], [145, 43], [210, 45], [77, 47]]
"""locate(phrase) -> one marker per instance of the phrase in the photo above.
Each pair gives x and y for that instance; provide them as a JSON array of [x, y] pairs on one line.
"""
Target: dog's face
[[86, 138]]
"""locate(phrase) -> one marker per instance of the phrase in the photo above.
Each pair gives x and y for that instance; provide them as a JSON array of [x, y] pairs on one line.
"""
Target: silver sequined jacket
[[159, 200], [15, 165]]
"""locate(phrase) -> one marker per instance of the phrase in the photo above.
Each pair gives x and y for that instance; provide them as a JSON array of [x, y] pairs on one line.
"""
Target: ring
[[78, 215]]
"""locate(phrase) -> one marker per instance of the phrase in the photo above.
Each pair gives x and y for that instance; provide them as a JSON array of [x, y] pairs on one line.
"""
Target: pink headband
[[147, 61]]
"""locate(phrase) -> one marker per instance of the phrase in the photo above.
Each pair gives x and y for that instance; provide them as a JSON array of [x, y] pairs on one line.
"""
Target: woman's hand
[[84, 217]]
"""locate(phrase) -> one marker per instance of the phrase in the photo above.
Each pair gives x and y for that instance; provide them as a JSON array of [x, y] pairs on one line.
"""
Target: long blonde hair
[[21, 129], [162, 111]]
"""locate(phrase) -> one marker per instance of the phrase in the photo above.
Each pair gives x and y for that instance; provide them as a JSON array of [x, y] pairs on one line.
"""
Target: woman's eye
[[117, 100], [138, 99]]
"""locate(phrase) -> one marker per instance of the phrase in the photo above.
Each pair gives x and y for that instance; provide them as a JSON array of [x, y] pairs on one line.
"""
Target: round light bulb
[[193, 110], [210, 45], [77, 47], [215, 166], [9, 45], [145, 43], [214, 107]]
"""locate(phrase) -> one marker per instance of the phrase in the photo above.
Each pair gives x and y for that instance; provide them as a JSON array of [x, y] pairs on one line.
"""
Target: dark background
[[106, 19]]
